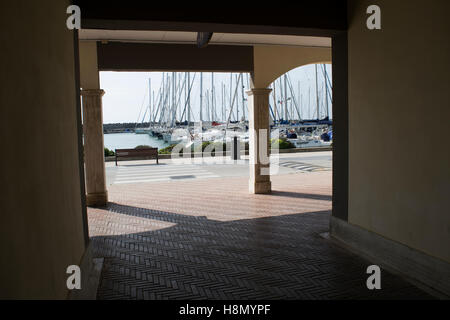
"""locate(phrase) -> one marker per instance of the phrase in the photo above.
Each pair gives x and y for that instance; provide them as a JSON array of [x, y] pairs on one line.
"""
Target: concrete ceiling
[[191, 37]]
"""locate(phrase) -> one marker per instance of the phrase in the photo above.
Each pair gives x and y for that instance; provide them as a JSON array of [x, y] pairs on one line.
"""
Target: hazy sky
[[127, 93]]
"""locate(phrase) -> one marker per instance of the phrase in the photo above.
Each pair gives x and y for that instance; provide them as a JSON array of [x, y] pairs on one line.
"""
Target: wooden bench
[[137, 153]]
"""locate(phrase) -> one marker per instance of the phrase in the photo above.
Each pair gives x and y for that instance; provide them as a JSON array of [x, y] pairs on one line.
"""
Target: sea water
[[131, 140]]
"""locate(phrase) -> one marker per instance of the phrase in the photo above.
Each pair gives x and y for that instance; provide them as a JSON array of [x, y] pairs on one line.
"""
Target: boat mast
[[172, 114], [243, 96], [186, 107], [201, 97], [154, 108], [237, 102], [299, 100], [310, 114], [163, 100], [275, 108], [185, 98], [326, 90], [150, 99], [223, 102], [231, 90], [189, 99], [317, 95], [293, 101], [285, 98], [207, 105], [280, 101], [164, 106], [232, 105], [212, 96], [167, 102]]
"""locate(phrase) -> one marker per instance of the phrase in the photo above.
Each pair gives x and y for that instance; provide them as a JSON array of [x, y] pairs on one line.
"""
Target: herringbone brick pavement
[[210, 239]]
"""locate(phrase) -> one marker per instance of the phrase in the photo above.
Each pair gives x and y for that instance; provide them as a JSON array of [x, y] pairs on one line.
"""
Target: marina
[[211, 107]]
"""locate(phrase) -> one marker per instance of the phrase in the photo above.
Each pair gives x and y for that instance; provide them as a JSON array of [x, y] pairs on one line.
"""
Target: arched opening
[[303, 94], [271, 62]]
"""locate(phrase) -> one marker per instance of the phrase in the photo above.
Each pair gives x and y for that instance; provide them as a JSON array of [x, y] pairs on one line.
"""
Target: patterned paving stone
[[303, 167], [126, 174], [210, 239]]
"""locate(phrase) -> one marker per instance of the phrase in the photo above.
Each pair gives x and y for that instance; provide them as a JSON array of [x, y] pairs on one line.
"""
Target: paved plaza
[[144, 171], [208, 238]]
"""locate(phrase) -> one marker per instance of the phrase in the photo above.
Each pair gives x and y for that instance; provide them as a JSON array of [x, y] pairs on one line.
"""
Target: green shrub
[[167, 150], [205, 144], [282, 144], [109, 153]]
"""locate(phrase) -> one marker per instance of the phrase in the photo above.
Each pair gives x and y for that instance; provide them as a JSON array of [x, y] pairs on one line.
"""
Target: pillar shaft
[[94, 157], [259, 133]]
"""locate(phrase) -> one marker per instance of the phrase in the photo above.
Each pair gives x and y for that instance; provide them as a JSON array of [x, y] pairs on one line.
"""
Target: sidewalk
[[210, 239]]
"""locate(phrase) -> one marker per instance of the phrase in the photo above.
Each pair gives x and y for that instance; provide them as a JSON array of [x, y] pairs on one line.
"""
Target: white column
[[259, 132], [94, 157]]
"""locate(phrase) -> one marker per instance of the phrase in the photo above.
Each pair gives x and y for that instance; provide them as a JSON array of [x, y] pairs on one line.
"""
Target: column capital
[[259, 91], [92, 92]]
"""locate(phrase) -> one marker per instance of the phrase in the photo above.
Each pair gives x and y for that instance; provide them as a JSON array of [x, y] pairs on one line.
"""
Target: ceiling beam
[[308, 18], [117, 56]]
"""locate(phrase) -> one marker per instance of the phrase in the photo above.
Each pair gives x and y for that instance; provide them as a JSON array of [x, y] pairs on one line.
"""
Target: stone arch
[[271, 62]]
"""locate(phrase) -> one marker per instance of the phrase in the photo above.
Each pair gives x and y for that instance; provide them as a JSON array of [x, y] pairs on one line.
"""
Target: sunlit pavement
[[186, 169], [210, 239]]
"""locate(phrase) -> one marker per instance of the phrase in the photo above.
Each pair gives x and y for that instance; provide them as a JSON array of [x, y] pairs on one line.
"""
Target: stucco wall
[[41, 228], [399, 111], [271, 62], [89, 76]]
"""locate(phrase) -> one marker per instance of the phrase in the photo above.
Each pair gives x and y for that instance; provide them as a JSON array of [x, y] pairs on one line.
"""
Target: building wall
[[271, 62], [399, 110], [41, 224], [89, 75]]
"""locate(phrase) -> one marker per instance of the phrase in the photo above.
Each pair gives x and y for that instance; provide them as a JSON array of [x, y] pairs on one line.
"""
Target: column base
[[260, 187], [97, 199]]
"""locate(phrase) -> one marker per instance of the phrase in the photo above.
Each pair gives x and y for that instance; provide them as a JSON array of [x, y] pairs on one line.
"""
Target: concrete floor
[[209, 239]]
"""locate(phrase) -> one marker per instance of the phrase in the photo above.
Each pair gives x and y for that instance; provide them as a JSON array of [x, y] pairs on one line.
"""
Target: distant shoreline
[[127, 127]]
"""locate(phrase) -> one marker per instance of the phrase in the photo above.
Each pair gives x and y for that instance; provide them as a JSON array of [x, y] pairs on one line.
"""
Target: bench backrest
[[148, 152]]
